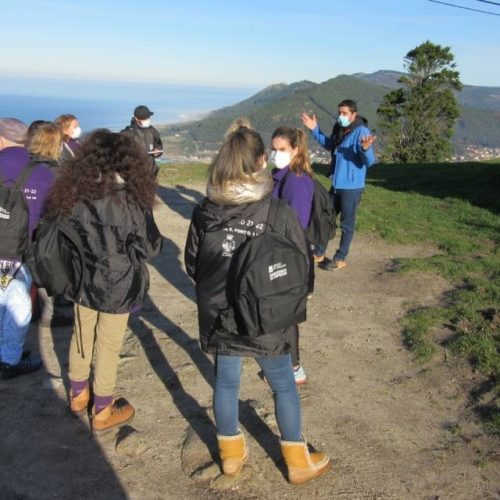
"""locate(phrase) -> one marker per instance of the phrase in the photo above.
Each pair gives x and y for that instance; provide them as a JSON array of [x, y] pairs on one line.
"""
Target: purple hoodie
[[297, 191], [36, 188]]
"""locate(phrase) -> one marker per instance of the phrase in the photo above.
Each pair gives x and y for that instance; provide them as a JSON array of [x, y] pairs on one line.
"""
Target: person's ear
[[263, 161]]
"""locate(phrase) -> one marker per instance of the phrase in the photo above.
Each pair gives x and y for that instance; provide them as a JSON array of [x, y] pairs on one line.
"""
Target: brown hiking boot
[[302, 464], [233, 453], [117, 413], [79, 404]]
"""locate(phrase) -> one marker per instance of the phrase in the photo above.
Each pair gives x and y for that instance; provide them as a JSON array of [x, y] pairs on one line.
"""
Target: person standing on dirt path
[[146, 135], [239, 196], [15, 277], [44, 142], [107, 195], [293, 183], [351, 146]]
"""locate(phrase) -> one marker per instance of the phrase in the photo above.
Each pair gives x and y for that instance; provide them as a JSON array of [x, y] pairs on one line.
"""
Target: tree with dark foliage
[[417, 119]]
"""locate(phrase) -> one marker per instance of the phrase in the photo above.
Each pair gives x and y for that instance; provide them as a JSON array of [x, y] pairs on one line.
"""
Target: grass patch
[[416, 326], [172, 174], [455, 208]]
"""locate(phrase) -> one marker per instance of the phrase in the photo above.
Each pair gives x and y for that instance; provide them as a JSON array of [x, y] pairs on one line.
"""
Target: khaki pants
[[101, 336]]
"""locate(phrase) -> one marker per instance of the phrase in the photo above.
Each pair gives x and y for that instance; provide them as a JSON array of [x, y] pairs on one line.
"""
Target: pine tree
[[417, 119]]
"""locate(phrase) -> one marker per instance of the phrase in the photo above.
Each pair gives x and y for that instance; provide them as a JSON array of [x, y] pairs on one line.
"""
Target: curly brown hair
[[91, 174]]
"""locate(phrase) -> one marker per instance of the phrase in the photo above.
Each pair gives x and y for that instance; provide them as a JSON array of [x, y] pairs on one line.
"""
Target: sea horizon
[[111, 104]]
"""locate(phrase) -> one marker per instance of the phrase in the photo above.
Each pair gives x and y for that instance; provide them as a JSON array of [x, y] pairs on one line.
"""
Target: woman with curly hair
[[107, 193]]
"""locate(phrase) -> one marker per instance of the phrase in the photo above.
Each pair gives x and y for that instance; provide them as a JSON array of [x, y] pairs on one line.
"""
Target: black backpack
[[267, 282], [321, 226], [56, 258], [14, 216]]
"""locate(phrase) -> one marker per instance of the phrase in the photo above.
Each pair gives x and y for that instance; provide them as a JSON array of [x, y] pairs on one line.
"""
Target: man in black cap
[[147, 136]]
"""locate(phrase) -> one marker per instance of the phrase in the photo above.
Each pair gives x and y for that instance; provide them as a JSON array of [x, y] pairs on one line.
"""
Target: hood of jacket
[[242, 192]]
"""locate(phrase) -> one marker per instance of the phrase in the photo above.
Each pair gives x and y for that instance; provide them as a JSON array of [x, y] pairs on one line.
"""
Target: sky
[[232, 43]]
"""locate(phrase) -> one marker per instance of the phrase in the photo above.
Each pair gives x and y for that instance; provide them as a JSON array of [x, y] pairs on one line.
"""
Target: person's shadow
[[195, 414], [46, 452], [180, 199]]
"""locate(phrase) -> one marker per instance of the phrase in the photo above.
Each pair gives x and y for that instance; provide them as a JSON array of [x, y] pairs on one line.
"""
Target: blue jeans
[[279, 373], [345, 202], [15, 316]]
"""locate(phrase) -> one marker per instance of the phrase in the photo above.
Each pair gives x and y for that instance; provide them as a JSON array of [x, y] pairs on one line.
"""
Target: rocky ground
[[394, 428]]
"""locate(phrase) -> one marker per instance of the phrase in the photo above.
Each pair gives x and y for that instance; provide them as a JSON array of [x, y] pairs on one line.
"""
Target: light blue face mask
[[343, 121]]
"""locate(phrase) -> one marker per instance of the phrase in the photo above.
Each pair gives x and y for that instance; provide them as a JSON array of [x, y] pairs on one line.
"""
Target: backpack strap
[[275, 217], [67, 229]]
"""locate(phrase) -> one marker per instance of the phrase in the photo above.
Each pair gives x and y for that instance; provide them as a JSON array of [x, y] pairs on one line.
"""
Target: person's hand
[[309, 121], [367, 141]]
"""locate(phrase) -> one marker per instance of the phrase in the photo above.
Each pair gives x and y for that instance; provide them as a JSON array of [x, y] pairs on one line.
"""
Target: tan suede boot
[[117, 413], [302, 465], [79, 404], [233, 453]]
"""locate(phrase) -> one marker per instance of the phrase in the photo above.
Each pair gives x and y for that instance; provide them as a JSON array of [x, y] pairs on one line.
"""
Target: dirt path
[[394, 429]]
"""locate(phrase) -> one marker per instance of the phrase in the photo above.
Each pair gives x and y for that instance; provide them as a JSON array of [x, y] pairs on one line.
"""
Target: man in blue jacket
[[352, 153]]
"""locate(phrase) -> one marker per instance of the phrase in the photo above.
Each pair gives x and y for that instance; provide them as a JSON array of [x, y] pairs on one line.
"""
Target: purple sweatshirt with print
[[36, 188]]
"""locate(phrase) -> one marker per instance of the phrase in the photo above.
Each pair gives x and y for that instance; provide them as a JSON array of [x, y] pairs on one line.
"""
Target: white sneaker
[[299, 374]]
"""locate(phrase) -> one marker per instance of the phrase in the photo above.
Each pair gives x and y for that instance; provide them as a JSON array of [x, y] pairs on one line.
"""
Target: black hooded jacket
[[149, 140], [209, 248], [118, 237]]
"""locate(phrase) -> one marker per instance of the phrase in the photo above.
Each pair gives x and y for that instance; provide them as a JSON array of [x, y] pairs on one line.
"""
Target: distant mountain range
[[282, 104]]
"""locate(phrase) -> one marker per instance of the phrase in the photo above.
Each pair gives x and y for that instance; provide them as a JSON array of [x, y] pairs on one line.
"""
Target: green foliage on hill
[[418, 118], [282, 105]]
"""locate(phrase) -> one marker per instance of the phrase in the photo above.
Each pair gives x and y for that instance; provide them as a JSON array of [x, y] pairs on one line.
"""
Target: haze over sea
[[110, 104]]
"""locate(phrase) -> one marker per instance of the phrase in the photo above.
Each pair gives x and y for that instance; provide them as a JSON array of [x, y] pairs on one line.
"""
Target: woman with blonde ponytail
[[237, 208], [293, 183]]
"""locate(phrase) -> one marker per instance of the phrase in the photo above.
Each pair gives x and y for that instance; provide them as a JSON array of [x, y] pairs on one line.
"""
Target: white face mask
[[77, 132], [281, 159], [145, 123]]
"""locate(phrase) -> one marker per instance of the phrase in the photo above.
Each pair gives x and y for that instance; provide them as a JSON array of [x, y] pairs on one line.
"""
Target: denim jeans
[[345, 202], [279, 373], [15, 316]]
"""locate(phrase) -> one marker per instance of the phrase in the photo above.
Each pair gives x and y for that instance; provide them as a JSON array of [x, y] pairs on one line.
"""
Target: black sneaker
[[27, 365], [333, 265]]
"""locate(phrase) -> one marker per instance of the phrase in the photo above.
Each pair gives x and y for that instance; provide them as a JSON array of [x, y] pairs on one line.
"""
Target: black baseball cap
[[142, 112]]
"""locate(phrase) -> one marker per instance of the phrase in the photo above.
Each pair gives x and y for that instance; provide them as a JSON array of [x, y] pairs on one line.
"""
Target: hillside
[[471, 96], [281, 104]]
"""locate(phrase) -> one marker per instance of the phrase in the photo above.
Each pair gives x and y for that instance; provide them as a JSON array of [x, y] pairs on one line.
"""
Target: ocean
[[110, 104]]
